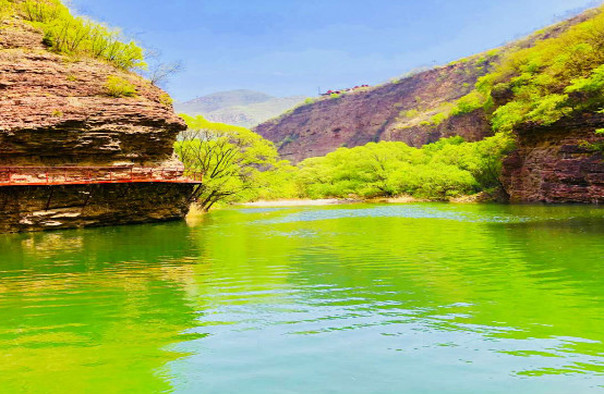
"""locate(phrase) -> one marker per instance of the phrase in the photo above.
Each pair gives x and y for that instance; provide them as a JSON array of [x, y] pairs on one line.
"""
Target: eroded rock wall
[[40, 208], [557, 164], [56, 111], [472, 127]]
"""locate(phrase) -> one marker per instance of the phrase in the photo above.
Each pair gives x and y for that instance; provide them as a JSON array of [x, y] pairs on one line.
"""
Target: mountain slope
[[220, 100], [360, 117], [547, 90], [413, 109], [245, 108]]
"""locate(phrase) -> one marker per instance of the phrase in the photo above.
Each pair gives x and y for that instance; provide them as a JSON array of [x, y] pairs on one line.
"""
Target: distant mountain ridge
[[241, 107]]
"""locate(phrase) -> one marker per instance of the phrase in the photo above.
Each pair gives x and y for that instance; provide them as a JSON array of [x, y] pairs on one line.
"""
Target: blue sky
[[292, 47]]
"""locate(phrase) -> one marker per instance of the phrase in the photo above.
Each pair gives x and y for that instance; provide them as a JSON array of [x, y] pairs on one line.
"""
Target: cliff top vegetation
[[74, 35], [538, 85]]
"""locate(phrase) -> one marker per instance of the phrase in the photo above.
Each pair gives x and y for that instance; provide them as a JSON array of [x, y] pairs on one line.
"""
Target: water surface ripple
[[416, 298]]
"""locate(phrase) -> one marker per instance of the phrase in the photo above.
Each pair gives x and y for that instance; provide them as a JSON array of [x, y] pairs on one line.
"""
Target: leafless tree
[[159, 72]]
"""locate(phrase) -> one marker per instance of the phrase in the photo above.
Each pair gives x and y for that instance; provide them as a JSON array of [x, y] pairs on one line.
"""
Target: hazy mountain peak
[[240, 107], [219, 100]]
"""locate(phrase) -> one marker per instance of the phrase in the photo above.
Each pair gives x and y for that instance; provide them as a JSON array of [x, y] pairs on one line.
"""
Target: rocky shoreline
[[41, 208]]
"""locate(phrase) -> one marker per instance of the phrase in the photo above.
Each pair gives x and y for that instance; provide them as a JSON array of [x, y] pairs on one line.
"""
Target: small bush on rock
[[119, 87]]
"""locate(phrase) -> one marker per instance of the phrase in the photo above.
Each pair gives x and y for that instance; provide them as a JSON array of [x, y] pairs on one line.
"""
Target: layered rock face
[[56, 111], [557, 164], [38, 208]]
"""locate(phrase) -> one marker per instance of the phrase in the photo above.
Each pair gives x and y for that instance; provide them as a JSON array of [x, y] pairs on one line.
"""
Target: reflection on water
[[91, 311], [430, 298]]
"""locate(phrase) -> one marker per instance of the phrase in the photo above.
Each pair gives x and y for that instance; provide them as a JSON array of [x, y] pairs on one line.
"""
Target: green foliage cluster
[[450, 167], [437, 119], [119, 87], [412, 113], [6, 9], [596, 146], [589, 90], [552, 79], [440, 114], [468, 103], [77, 36], [166, 100]]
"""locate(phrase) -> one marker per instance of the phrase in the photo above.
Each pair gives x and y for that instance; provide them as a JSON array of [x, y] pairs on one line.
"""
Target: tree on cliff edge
[[230, 157]]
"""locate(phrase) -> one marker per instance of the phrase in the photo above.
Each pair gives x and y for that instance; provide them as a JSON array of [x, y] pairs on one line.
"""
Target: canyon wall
[[57, 110], [558, 163], [38, 208]]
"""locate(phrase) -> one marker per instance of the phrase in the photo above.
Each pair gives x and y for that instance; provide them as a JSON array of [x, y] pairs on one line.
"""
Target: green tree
[[552, 79], [231, 158]]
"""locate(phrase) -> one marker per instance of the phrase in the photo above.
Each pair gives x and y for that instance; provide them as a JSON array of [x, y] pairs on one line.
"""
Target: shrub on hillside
[[166, 100], [546, 82], [541, 77], [6, 9], [76, 36], [468, 103], [119, 87]]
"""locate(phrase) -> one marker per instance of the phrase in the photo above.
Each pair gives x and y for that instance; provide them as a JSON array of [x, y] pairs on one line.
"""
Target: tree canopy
[[447, 168], [232, 159]]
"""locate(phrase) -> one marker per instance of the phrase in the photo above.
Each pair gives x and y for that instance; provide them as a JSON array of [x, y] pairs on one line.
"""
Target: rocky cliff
[[39, 208], [559, 163], [58, 111]]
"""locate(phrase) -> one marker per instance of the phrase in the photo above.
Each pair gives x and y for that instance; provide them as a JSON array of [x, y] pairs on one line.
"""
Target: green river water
[[417, 298]]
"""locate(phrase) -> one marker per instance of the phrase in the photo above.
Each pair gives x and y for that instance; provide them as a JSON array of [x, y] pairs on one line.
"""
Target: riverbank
[[300, 203]]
